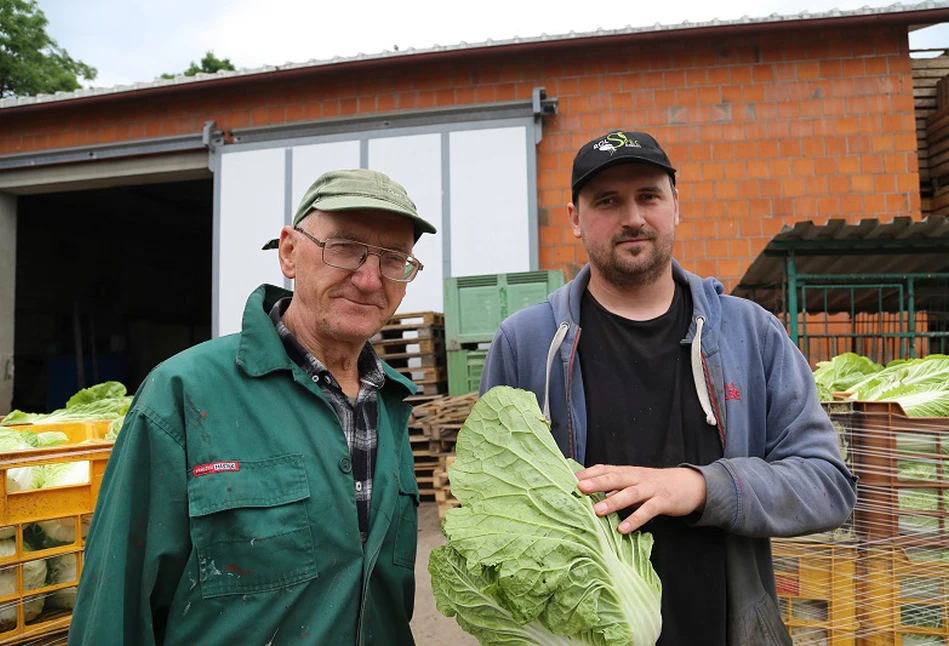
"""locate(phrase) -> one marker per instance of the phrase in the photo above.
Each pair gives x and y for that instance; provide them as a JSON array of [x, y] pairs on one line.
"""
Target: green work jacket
[[227, 513]]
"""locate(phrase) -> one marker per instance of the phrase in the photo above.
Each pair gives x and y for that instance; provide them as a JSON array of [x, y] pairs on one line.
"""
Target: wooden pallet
[[434, 424], [444, 408], [442, 436], [425, 475], [432, 388], [419, 442], [408, 348], [409, 353], [409, 333], [442, 486], [415, 319], [424, 375], [445, 502], [414, 345], [418, 401], [430, 381]]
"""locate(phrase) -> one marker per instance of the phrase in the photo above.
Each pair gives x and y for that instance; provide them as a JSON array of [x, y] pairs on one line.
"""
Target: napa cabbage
[[527, 561], [104, 401], [34, 576], [920, 386], [61, 569]]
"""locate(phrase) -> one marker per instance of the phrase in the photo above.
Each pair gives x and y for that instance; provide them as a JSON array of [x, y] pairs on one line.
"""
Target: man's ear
[[574, 214], [285, 252], [675, 197]]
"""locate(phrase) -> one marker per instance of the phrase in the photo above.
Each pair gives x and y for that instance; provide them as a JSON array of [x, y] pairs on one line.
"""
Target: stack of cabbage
[[41, 535], [527, 560], [106, 401], [920, 386]]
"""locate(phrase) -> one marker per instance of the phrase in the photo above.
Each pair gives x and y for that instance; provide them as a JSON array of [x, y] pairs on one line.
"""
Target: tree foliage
[[209, 65], [31, 62]]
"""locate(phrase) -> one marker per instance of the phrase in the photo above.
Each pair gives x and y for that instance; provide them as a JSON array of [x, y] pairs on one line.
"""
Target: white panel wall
[[489, 202], [311, 161], [487, 181], [252, 211], [415, 161]]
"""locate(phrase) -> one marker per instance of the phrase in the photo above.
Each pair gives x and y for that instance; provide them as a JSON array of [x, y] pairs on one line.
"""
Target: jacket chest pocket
[[250, 528]]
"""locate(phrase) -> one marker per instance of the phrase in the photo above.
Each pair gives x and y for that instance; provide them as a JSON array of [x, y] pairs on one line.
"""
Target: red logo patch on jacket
[[215, 467], [732, 392]]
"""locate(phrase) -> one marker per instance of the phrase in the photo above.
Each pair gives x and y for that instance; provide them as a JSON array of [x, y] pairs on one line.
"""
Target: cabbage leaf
[[843, 371], [527, 560]]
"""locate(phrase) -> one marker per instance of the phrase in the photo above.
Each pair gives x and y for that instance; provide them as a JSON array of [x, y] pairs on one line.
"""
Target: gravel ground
[[430, 627]]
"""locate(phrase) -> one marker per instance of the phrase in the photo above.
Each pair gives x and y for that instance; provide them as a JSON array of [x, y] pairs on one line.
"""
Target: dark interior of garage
[[109, 282]]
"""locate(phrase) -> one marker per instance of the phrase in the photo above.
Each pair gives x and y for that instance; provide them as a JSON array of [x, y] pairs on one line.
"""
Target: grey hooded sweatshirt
[[782, 473]]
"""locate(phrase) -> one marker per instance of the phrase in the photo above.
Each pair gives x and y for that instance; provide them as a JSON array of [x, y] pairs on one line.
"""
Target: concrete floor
[[430, 627]]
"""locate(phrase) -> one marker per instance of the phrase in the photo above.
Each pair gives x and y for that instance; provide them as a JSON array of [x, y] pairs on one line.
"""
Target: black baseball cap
[[614, 148]]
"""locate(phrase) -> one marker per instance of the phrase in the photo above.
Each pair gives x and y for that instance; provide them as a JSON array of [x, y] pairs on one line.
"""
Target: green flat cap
[[358, 190]]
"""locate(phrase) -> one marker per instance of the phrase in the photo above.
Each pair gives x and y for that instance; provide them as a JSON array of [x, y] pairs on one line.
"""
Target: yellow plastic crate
[[31, 608], [817, 590], [76, 431], [905, 596]]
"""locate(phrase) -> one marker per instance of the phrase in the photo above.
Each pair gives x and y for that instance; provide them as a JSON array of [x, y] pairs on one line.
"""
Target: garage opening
[[109, 283]]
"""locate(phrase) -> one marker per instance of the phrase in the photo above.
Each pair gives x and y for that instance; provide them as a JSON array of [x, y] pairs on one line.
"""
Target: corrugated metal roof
[[490, 43], [865, 251]]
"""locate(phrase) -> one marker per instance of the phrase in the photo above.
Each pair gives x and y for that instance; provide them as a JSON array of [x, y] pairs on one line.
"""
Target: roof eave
[[918, 19]]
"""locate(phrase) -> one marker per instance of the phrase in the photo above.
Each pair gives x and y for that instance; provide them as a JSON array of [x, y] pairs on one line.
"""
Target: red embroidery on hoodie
[[732, 392]]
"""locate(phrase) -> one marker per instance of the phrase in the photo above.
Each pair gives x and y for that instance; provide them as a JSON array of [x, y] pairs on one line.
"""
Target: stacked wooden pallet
[[433, 430], [938, 140], [414, 344], [930, 93], [443, 495]]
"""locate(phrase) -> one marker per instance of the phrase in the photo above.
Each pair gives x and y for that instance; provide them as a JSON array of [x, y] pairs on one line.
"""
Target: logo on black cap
[[615, 140]]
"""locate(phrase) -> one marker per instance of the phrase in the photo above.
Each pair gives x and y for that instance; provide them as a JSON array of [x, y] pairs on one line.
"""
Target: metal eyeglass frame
[[409, 260]]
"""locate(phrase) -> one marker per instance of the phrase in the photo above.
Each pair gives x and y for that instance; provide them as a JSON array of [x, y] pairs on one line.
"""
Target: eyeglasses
[[350, 255]]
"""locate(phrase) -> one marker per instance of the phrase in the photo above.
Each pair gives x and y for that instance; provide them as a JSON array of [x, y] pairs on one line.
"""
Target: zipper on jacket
[[569, 385]]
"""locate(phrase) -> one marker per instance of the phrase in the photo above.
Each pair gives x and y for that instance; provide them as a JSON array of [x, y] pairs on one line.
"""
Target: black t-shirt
[[642, 410]]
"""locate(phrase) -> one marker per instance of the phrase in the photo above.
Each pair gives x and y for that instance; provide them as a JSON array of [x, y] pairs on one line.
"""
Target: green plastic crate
[[464, 369], [476, 305]]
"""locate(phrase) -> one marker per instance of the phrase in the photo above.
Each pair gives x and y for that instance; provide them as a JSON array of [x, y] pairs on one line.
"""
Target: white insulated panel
[[489, 201], [415, 161], [252, 211], [312, 160]]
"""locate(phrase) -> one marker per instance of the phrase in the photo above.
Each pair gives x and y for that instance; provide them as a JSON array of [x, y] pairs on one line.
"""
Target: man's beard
[[623, 269]]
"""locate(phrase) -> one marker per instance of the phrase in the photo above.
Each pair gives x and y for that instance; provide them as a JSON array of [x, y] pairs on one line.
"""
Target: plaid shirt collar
[[369, 364]]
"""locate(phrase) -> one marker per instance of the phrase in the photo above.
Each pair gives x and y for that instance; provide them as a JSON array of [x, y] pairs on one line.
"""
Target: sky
[[132, 42]]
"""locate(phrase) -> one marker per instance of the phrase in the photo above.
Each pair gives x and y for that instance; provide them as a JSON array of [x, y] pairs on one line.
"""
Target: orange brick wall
[[766, 130]]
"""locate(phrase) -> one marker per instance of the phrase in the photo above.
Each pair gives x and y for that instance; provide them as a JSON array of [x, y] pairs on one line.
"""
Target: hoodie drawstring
[[698, 373], [551, 353]]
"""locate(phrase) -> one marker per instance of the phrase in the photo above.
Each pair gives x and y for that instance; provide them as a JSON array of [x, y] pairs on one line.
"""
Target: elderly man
[[262, 490], [692, 407]]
